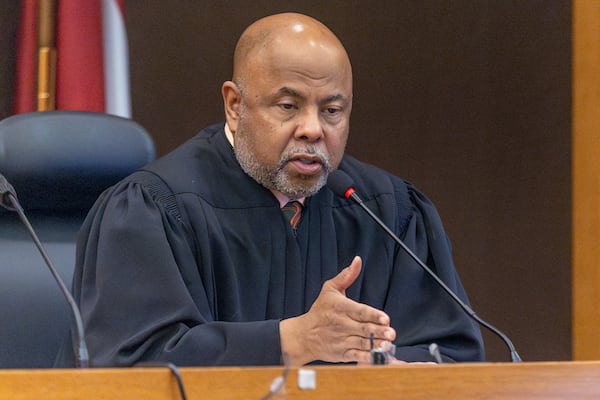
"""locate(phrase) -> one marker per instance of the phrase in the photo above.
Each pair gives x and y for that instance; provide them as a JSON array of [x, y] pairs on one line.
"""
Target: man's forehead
[[314, 54]]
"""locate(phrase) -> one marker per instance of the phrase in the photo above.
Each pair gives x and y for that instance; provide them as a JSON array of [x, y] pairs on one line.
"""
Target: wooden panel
[[586, 177], [550, 380]]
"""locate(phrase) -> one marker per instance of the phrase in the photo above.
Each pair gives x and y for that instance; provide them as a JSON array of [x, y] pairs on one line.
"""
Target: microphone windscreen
[[339, 182], [6, 189]]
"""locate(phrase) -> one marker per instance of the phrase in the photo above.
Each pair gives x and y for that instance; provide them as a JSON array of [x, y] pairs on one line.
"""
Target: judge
[[192, 260]]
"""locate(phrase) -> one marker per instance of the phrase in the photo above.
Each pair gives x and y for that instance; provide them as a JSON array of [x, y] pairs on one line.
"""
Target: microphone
[[8, 200], [342, 185], [434, 350], [6, 191]]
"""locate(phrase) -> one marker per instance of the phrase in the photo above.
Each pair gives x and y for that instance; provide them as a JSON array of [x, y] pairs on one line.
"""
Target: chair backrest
[[58, 163]]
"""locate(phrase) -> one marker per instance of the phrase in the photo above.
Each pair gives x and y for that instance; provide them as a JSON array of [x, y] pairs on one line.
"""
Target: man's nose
[[309, 126]]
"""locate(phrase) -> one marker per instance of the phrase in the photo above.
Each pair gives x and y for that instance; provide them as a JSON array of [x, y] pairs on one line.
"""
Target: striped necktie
[[293, 212]]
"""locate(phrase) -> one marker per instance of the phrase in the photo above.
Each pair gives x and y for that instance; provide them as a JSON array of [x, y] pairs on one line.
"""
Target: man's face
[[294, 122]]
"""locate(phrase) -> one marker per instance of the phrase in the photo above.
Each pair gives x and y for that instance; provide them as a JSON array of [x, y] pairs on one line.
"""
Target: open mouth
[[306, 164]]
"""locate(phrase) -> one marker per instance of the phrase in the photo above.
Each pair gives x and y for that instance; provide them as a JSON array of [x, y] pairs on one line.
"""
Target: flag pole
[[46, 92]]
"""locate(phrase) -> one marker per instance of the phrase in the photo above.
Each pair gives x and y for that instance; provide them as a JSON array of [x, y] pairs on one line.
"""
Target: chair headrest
[[62, 160]]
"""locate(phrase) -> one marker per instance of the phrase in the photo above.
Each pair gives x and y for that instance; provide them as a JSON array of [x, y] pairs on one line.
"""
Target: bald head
[[283, 37], [288, 105]]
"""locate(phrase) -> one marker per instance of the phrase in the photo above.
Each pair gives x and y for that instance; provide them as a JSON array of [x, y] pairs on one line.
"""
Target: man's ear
[[232, 102]]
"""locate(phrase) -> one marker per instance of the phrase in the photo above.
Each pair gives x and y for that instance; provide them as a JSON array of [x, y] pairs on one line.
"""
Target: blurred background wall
[[469, 100]]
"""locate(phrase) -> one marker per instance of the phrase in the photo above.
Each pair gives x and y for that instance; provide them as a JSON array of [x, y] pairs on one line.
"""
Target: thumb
[[347, 276]]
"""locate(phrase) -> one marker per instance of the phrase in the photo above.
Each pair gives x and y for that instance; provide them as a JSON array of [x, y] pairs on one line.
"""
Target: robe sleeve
[[422, 312], [140, 295]]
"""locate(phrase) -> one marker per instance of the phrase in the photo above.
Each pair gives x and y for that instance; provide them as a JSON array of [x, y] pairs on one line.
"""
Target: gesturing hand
[[335, 329]]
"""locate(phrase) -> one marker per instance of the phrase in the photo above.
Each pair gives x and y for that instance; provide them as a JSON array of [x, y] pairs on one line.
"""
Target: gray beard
[[278, 179]]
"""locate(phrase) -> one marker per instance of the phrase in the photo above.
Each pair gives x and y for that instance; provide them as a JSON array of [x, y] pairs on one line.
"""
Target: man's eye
[[332, 110], [287, 106]]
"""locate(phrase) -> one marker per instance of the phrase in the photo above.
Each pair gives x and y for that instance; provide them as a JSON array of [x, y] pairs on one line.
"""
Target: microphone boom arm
[[350, 193], [81, 351]]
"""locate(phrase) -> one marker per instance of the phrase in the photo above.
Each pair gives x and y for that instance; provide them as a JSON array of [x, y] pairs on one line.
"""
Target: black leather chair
[[58, 163]]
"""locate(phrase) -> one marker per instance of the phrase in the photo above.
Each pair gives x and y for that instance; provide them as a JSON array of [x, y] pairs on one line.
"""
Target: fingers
[[365, 314], [361, 343], [364, 330], [355, 321], [347, 276], [353, 340], [336, 328], [351, 318], [362, 355]]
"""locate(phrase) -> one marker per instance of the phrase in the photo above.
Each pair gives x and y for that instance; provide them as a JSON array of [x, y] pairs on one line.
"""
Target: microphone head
[[6, 191], [340, 183]]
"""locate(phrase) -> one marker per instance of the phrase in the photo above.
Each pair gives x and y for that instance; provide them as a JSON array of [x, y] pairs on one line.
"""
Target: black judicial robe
[[191, 261]]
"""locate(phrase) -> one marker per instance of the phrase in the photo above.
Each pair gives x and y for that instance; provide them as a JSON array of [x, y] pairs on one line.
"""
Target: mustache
[[312, 151]]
